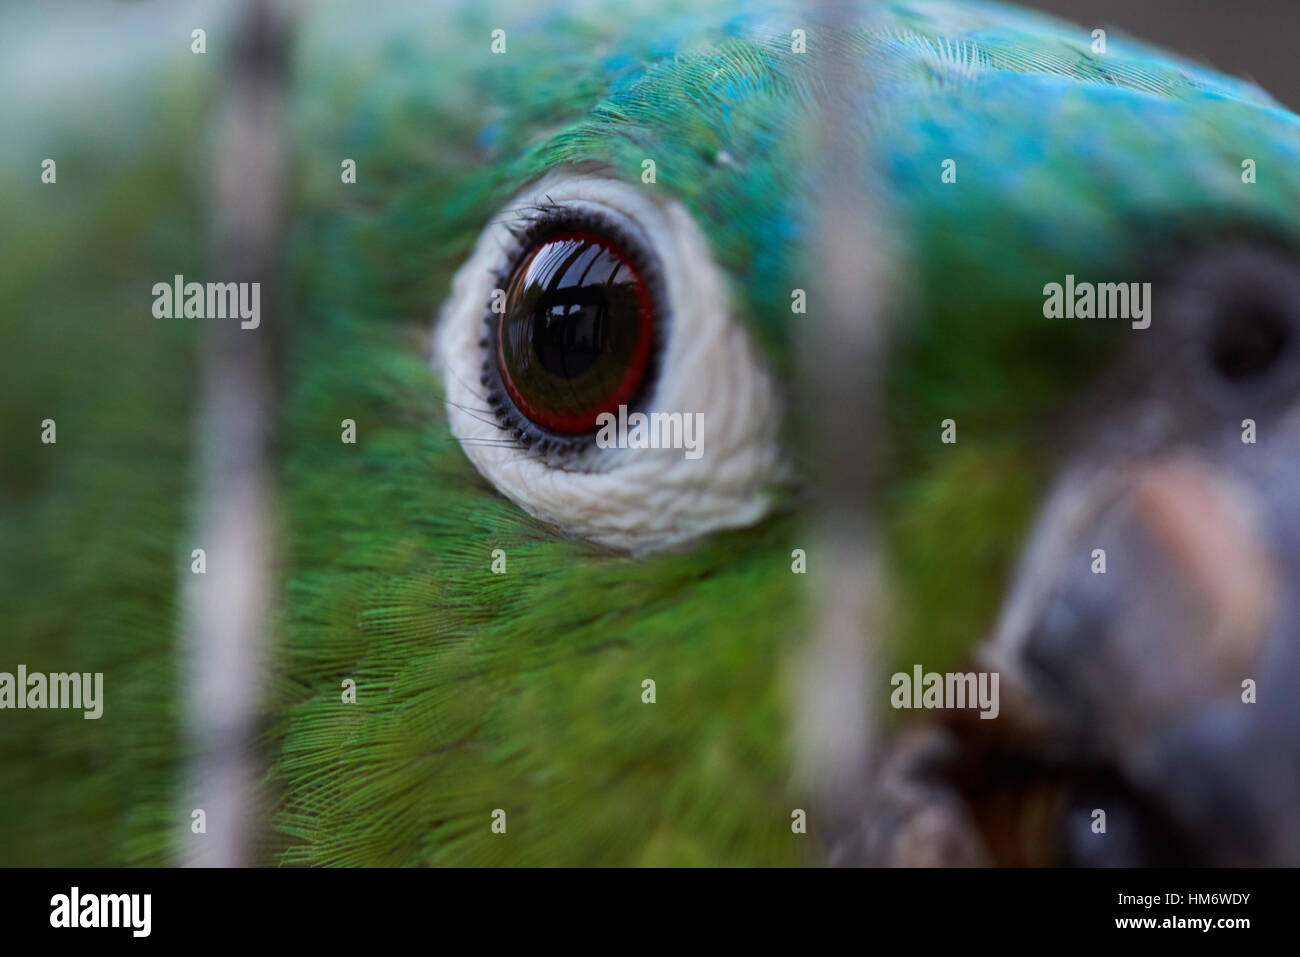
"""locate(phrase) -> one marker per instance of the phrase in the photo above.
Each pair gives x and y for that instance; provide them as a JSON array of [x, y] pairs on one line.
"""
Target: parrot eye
[[1249, 340], [1235, 318], [1248, 297], [572, 330], [606, 388]]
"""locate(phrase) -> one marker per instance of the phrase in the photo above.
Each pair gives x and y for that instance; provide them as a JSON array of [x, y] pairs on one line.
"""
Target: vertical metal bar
[[840, 381], [227, 610]]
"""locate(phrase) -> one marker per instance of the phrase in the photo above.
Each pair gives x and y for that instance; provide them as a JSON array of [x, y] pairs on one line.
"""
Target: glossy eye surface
[[576, 334]]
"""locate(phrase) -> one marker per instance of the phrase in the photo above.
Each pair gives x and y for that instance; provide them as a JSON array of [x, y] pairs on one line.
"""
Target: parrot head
[[650, 215]]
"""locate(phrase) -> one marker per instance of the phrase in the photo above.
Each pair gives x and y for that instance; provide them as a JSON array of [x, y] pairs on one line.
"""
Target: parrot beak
[[1161, 655]]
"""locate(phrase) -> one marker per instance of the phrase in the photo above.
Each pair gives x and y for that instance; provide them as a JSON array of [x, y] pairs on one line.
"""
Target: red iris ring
[[628, 386]]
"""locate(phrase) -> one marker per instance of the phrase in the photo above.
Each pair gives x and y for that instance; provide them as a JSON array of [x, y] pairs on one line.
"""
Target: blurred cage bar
[[227, 611]]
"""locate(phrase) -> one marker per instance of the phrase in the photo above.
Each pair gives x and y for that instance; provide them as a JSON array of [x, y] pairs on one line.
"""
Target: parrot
[[643, 391]]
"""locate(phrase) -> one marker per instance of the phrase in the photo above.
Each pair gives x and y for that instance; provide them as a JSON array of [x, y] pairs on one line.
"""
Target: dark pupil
[[574, 338]]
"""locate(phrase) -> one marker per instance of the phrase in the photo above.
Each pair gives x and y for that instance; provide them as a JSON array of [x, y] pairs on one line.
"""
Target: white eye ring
[[629, 498]]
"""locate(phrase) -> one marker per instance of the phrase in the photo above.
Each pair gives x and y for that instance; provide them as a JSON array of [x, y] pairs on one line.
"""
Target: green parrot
[[636, 396]]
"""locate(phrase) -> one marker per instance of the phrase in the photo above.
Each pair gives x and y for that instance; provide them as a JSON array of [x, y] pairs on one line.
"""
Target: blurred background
[[1246, 38]]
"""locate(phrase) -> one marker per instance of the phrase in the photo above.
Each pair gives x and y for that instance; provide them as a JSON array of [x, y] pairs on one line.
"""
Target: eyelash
[[539, 222]]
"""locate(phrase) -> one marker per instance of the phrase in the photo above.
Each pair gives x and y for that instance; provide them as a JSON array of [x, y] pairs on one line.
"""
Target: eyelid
[[529, 223]]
